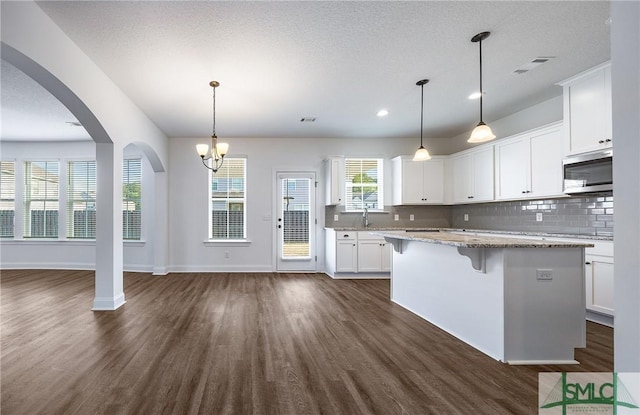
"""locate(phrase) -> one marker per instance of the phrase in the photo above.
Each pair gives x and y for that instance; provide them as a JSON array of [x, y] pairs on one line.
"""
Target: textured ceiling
[[337, 61]]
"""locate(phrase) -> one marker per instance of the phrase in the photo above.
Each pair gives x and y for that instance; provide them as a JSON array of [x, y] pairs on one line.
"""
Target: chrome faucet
[[365, 217]]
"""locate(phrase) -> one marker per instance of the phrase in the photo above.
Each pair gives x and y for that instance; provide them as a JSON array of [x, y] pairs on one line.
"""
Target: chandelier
[[218, 150]]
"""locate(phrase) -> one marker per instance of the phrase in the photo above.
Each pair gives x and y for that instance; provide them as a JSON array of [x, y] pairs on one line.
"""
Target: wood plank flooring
[[247, 344]]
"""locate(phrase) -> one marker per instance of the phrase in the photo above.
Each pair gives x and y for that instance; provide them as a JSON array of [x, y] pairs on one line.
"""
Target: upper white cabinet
[[472, 175], [418, 182], [334, 180], [587, 110], [529, 165]]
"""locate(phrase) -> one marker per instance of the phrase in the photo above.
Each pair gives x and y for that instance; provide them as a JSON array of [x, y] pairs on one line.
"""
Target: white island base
[[504, 310]]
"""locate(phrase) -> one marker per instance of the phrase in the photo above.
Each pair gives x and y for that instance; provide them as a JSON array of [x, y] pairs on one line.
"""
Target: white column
[[625, 81], [109, 280], [161, 225]]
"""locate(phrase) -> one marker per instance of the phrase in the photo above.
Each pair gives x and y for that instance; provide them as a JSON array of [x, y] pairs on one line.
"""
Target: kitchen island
[[517, 300]]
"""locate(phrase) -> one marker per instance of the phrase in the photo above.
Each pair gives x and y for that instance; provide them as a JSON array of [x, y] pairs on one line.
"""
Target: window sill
[[224, 242], [131, 242]]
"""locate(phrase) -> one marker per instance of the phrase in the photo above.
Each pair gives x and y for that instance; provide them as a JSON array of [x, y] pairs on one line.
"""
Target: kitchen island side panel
[[438, 284], [545, 319]]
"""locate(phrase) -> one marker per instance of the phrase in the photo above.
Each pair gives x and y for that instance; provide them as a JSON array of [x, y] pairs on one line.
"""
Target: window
[[7, 198], [81, 199], [363, 184], [132, 199], [227, 202], [41, 199]]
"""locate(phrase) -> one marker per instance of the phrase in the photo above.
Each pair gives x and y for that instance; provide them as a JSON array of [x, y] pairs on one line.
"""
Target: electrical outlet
[[538, 217], [335, 218], [396, 217], [466, 217], [226, 254], [411, 217], [544, 274]]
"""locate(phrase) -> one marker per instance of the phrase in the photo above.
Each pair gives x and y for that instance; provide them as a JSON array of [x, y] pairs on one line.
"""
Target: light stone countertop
[[514, 233], [472, 241]]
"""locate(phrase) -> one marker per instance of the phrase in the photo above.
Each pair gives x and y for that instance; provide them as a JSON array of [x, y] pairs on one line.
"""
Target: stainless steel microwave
[[589, 172]]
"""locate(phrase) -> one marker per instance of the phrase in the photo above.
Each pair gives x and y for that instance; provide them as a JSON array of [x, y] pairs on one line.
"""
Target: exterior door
[[296, 221]]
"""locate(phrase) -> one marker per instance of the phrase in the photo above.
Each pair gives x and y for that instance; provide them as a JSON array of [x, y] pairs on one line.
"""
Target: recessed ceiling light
[[383, 113], [475, 95]]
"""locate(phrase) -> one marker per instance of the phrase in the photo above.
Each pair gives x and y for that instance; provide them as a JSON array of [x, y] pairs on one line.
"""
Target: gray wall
[[578, 215], [625, 82]]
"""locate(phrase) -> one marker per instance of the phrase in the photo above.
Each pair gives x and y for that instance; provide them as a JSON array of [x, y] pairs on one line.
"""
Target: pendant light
[[421, 154], [482, 132], [218, 150]]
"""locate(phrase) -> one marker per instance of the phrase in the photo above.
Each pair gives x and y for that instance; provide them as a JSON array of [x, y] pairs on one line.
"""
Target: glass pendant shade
[[421, 154], [222, 148], [481, 134], [202, 149]]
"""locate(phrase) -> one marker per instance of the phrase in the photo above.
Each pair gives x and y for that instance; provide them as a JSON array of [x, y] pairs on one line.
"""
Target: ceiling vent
[[533, 64], [308, 119]]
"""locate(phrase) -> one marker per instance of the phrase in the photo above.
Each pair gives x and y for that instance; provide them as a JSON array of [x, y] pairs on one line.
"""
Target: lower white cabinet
[[347, 252], [374, 253], [599, 278], [353, 254]]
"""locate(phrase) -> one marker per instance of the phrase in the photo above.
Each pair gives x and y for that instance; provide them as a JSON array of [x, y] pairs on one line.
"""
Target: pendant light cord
[[481, 93], [214, 112], [421, 110]]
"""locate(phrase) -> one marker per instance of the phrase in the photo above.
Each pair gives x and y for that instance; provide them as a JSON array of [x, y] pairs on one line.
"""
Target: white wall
[[625, 82], [72, 254], [544, 113], [188, 189]]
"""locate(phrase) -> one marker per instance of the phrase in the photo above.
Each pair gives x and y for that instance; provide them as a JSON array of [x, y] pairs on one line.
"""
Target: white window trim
[[228, 242], [379, 185]]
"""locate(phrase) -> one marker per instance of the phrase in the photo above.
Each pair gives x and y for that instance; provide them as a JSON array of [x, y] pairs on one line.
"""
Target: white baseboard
[[228, 268], [108, 303], [51, 265]]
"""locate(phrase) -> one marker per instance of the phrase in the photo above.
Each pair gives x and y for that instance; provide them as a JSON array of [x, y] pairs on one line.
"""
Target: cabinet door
[[461, 175], [589, 112], [385, 257], [433, 181], [599, 284], [333, 181], [346, 258], [412, 182], [369, 256], [483, 172], [546, 164], [513, 165]]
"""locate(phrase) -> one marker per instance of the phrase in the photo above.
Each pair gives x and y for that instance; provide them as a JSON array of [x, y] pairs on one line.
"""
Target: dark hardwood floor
[[247, 344]]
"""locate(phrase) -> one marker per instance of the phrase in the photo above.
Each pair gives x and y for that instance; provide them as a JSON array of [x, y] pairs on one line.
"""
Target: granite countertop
[[471, 241], [514, 233]]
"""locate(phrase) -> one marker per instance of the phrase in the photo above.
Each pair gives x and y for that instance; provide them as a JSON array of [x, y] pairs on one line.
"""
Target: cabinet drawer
[[346, 235], [367, 236]]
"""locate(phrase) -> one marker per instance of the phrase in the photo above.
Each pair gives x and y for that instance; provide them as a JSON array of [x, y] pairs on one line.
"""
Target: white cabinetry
[[599, 277], [587, 110], [529, 165], [472, 173], [374, 253], [346, 252], [418, 182], [353, 254], [334, 180]]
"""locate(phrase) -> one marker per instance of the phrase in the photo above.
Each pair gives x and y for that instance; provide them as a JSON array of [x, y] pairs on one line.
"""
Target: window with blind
[[41, 199], [363, 184], [7, 198], [227, 205], [81, 199], [132, 199]]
